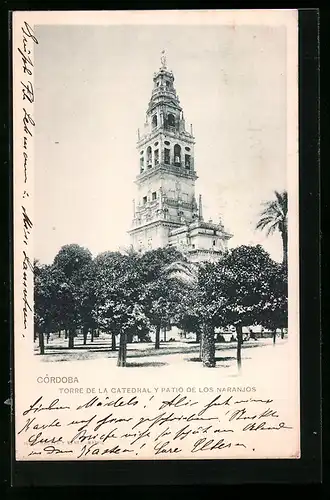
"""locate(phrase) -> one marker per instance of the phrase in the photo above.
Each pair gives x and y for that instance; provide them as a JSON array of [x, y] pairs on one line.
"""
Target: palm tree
[[274, 217]]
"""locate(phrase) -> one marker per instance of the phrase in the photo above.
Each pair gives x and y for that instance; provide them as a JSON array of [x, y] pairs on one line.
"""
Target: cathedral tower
[[166, 211]]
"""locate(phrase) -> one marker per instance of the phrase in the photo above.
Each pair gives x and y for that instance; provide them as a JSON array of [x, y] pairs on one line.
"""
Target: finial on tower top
[[163, 59]]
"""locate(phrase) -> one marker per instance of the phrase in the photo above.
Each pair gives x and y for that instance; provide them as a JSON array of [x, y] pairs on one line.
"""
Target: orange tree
[[248, 289], [71, 263], [118, 298], [159, 292]]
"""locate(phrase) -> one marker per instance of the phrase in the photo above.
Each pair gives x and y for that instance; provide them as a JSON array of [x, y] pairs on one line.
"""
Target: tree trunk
[[41, 343], [282, 333], [59, 334], [85, 333], [65, 334], [113, 341], [274, 337], [239, 331], [92, 335], [198, 337], [284, 235], [208, 348], [121, 361], [157, 339], [71, 338], [164, 333], [200, 345]]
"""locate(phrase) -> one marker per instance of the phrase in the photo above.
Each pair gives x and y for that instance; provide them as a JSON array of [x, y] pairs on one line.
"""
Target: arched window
[[149, 157], [177, 154], [141, 164], [167, 156], [187, 162], [156, 153], [154, 121], [170, 120]]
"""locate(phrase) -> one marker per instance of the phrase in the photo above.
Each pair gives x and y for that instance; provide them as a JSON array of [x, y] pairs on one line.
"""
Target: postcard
[[156, 252]]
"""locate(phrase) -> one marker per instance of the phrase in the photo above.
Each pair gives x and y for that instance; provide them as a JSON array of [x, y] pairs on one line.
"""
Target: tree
[[274, 217], [275, 312], [104, 274], [159, 292], [211, 303], [187, 316], [47, 318], [72, 261], [87, 290], [132, 320], [118, 303], [245, 280], [201, 312]]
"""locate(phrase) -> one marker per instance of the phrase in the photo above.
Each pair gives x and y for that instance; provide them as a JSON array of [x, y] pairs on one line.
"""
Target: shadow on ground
[[83, 352], [76, 349], [228, 358], [145, 364], [90, 347]]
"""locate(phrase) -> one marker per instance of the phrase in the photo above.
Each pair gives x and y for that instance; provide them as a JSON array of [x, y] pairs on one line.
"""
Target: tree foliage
[[246, 288], [118, 304], [159, 293], [129, 294]]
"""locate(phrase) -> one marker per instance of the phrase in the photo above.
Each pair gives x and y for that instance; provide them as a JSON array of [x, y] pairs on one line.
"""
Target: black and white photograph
[[156, 202]]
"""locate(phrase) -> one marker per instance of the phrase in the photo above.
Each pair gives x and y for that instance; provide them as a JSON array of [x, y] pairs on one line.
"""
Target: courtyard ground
[[184, 355]]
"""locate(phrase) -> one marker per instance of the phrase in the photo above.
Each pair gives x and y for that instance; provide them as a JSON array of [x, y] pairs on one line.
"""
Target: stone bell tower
[[166, 206], [166, 181]]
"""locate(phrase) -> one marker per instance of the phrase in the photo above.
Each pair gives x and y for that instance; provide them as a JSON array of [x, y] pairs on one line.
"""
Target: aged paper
[[124, 349]]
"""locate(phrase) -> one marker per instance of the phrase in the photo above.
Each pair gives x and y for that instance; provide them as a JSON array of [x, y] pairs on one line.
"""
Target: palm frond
[[274, 215], [282, 198], [263, 222], [272, 228], [184, 271]]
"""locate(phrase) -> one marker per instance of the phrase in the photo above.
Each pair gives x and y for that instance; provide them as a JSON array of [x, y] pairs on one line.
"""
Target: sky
[[92, 88]]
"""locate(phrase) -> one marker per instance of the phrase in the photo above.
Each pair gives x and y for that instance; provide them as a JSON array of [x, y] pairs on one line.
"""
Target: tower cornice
[[166, 132], [159, 222], [168, 169]]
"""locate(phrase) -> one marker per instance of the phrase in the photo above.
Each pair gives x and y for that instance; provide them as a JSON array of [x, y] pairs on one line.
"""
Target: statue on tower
[[163, 59]]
